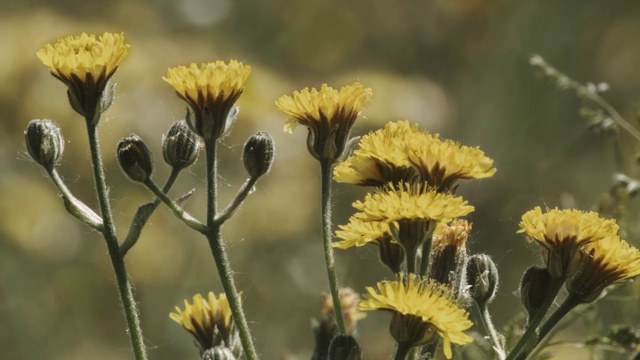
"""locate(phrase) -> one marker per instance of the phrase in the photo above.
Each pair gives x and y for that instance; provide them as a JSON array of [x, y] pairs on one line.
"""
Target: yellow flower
[[401, 152], [562, 233], [85, 63], [328, 113], [605, 262], [443, 162], [454, 234], [429, 302], [208, 320], [380, 158], [211, 90], [411, 202], [358, 233]]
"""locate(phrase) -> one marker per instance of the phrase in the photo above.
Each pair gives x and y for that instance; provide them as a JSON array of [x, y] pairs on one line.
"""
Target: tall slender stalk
[[326, 169], [484, 318], [220, 255], [117, 261], [531, 333]]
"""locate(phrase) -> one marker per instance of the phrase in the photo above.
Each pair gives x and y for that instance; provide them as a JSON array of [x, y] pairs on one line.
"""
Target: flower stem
[[530, 336], [326, 169], [425, 263], [485, 320], [220, 255], [567, 305], [402, 350], [144, 213], [117, 261]]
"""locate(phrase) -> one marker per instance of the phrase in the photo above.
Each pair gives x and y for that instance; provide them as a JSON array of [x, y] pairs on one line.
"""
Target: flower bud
[[258, 154], [482, 276], [344, 347], [534, 287], [44, 142], [180, 146], [218, 353], [134, 158]]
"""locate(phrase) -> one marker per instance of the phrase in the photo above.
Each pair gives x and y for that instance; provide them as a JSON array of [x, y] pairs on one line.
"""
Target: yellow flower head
[[443, 162], [401, 152], [605, 262], [380, 158], [359, 232], [85, 63], [328, 113], [430, 302], [454, 234], [211, 91], [562, 233], [208, 320], [411, 202]]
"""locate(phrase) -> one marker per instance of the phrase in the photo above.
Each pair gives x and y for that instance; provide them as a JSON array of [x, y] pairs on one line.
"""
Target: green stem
[[144, 213], [487, 325], [74, 206], [411, 253], [402, 350], [326, 170], [567, 305], [242, 194], [220, 255], [425, 264], [177, 210], [117, 261], [531, 333]]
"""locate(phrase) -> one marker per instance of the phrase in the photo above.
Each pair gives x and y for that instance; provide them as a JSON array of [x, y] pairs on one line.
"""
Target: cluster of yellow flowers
[[414, 174]]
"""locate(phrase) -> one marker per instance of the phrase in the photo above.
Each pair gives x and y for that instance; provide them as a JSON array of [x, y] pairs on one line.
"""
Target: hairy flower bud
[[482, 276], [134, 158], [180, 146], [344, 347], [534, 287], [44, 142], [258, 154], [218, 353]]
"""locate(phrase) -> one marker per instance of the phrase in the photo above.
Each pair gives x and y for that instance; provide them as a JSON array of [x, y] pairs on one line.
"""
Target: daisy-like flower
[[408, 213], [442, 163], [401, 152], [380, 158], [606, 262], [329, 115], [85, 63], [563, 233], [211, 91], [209, 321], [421, 310]]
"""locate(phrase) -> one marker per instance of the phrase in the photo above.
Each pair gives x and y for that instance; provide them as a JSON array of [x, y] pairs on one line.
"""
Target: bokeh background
[[459, 68]]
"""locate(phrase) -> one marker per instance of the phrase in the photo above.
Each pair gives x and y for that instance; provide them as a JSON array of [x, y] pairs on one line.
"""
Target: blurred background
[[459, 68]]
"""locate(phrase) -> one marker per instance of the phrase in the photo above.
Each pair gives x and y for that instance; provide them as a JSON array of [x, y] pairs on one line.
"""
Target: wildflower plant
[[439, 293]]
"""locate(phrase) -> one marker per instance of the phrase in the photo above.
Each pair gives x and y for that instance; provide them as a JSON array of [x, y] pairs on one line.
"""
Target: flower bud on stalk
[[534, 287], [258, 154], [44, 142], [135, 158], [180, 146], [482, 276], [218, 353]]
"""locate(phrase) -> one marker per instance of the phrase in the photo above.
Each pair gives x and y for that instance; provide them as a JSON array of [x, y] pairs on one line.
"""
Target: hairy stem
[[485, 320], [220, 254], [326, 169], [117, 261], [143, 214]]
